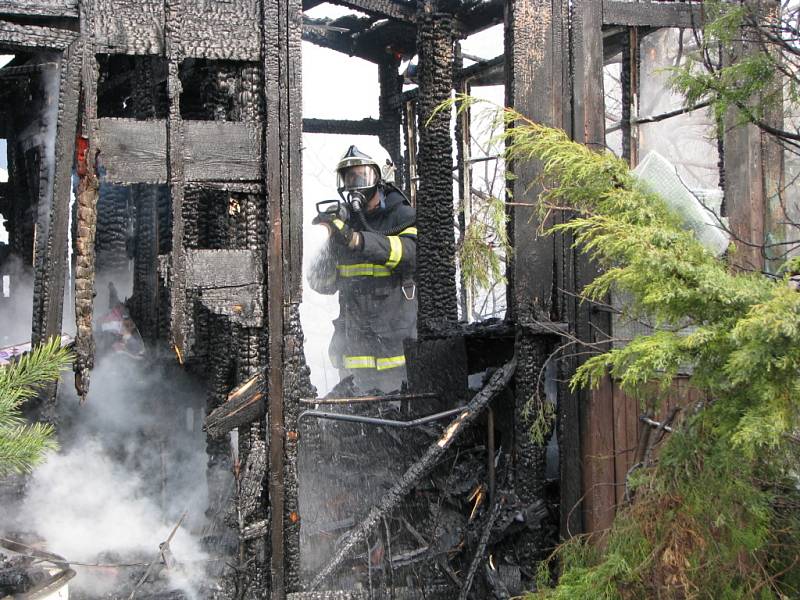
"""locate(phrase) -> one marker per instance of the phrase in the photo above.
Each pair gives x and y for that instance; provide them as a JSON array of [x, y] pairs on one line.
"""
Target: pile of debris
[[382, 516]]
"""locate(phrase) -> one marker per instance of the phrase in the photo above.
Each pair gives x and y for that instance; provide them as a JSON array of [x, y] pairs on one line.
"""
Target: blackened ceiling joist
[[392, 9], [652, 13], [343, 126], [477, 16]]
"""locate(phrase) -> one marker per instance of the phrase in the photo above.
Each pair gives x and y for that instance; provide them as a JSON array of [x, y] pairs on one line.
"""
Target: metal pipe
[[367, 399], [376, 420]]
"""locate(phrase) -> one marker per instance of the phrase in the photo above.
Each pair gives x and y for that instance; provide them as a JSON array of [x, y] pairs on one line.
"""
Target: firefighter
[[369, 259]]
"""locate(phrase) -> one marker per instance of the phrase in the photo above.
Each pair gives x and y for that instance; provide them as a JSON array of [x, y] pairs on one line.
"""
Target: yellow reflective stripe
[[395, 251], [363, 270], [390, 362], [359, 362], [339, 223], [408, 231]]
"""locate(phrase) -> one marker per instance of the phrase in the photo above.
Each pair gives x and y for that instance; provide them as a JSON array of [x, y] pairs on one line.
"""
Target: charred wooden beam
[[112, 228], [393, 9], [22, 8], [596, 411], [343, 126], [436, 271], [485, 72], [84, 275], [390, 112], [417, 471], [537, 85], [480, 16], [136, 151], [317, 32], [14, 36], [175, 173], [244, 405], [144, 302], [653, 14]]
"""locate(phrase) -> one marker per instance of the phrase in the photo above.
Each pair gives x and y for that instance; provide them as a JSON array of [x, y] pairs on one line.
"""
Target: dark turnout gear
[[377, 295]]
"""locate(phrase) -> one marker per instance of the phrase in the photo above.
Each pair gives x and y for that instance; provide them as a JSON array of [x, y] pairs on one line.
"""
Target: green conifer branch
[[23, 446]]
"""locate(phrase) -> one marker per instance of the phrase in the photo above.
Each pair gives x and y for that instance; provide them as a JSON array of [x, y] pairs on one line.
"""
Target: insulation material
[[659, 176]]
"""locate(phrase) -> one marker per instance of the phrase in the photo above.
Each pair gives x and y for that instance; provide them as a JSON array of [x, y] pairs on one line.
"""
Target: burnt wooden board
[[136, 151], [241, 304], [222, 268], [133, 151], [40, 8], [599, 478], [244, 405], [220, 151], [652, 14], [398, 10], [13, 35], [343, 126]]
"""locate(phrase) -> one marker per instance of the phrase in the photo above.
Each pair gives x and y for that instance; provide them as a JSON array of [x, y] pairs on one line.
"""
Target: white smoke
[[16, 310], [132, 462]]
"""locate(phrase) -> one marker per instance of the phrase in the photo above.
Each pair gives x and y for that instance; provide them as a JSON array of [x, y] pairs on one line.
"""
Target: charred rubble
[[177, 127]]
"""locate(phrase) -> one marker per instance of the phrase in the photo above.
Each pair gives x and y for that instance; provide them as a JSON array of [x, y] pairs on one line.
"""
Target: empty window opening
[[132, 87]]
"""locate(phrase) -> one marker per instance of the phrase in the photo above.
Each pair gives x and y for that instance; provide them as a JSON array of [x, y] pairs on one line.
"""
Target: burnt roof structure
[[181, 123]]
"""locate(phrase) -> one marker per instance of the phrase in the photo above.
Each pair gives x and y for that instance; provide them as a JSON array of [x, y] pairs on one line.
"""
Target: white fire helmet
[[359, 171]]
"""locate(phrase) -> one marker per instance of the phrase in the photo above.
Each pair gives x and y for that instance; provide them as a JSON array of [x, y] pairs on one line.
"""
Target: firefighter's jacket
[[377, 294]]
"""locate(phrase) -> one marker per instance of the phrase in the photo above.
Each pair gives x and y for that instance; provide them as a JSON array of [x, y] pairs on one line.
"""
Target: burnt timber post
[[281, 45], [53, 220], [535, 51], [390, 112], [436, 270], [590, 325], [752, 162]]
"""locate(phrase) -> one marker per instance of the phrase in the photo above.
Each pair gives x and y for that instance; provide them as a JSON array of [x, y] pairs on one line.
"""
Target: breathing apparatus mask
[[359, 175]]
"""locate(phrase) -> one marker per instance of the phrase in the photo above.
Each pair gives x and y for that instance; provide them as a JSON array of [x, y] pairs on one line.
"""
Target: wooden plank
[[533, 88], [15, 36], [273, 170], [652, 14], [136, 151], [221, 151], [133, 151], [592, 326], [176, 174], [598, 463], [244, 405], [222, 268]]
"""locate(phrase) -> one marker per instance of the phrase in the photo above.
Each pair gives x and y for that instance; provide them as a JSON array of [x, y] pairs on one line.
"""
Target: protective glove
[[338, 229]]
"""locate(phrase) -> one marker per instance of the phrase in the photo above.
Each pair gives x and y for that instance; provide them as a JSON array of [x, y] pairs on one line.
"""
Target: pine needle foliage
[[745, 64], [717, 515], [23, 445], [484, 247]]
